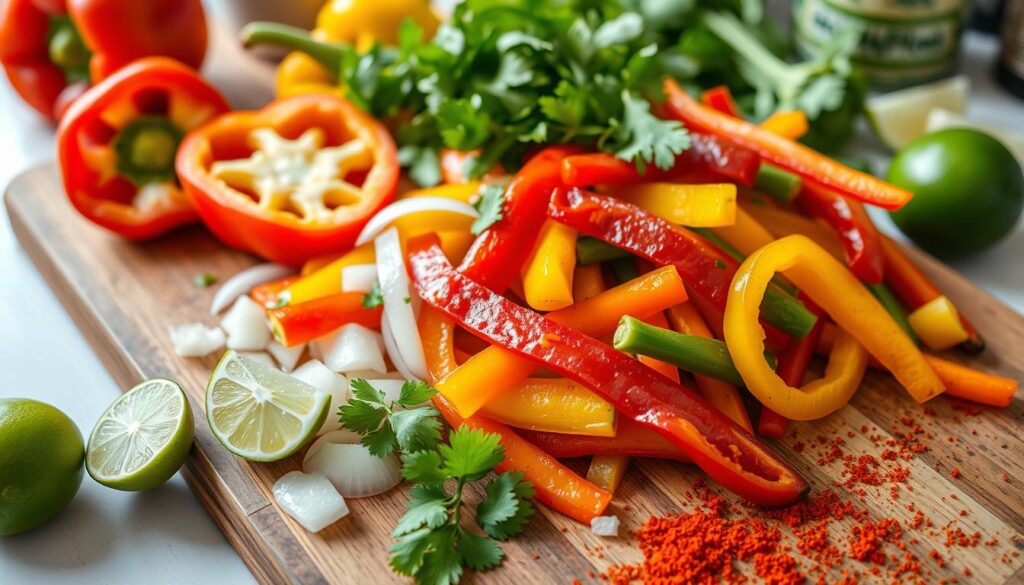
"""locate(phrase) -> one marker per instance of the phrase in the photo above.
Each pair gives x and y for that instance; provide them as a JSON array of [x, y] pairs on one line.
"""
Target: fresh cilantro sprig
[[490, 204], [374, 298], [384, 427], [433, 542]]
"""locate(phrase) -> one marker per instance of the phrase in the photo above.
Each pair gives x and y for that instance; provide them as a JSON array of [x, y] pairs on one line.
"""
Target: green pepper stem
[[695, 354], [296, 39], [893, 306], [67, 49]]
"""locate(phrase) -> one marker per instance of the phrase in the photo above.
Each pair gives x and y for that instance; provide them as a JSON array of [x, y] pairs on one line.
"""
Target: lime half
[[142, 439], [901, 116], [260, 413]]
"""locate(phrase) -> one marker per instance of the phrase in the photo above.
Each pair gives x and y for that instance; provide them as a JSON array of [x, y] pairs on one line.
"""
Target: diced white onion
[[311, 499], [261, 357], [389, 214], [316, 374], [337, 437], [399, 315], [391, 388], [246, 326], [353, 470], [243, 282], [358, 278], [196, 339], [371, 375], [286, 357], [605, 525], [352, 347]]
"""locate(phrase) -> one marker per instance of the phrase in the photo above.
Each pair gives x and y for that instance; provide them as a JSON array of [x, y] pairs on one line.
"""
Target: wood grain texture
[[124, 296]]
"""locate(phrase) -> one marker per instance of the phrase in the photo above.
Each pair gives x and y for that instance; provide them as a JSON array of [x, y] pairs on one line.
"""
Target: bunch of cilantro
[[434, 543]]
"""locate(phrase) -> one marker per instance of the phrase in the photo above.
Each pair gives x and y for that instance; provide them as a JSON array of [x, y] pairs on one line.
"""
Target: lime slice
[[260, 413], [901, 116], [142, 439]]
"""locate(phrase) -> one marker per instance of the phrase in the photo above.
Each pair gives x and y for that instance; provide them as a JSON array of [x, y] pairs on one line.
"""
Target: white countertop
[[107, 537]]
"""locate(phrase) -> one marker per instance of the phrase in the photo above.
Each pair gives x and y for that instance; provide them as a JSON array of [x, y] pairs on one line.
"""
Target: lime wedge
[[142, 439], [260, 413], [901, 116]]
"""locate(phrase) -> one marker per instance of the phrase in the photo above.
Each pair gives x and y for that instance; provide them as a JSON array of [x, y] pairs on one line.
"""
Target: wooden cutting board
[[124, 296]]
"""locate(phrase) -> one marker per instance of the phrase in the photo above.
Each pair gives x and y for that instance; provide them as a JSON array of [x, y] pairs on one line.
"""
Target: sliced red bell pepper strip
[[720, 98], [783, 152], [728, 453], [792, 368], [860, 239], [499, 253], [708, 158], [703, 266], [266, 294], [302, 322], [556, 486], [631, 439]]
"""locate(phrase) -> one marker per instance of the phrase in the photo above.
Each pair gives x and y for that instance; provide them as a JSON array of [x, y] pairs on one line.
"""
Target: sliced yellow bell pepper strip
[[607, 471], [464, 192], [937, 323], [555, 405], [495, 370], [314, 264], [587, 282], [300, 74], [783, 223], [710, 205], [838, 292], [548, 272], [791, 124], [746, 234], [685, 318]]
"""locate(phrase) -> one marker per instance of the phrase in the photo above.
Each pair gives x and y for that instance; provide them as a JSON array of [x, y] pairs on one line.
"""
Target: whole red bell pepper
[[301, 214], [727, 452], [116, 146], [52, 49], [783, 152], [708, 157], [497, 255], [858, 236], [631, 439]]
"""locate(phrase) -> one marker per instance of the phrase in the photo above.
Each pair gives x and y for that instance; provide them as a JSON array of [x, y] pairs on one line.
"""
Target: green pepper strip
[[779, 183]]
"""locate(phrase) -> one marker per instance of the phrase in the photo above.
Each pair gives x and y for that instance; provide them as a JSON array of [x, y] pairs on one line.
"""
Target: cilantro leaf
[[381, 442], [415, 392], [423, 467], [427, 506], [363, 390], [374, 298], [507, 508], [648, 138], [416, 429], [470, 453], [443, 564], [407, 555], [423, 164], [361, 416], [479, 553], [490, 205]]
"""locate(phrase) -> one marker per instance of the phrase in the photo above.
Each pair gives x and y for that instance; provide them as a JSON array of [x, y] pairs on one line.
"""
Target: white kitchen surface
[[161, 537]]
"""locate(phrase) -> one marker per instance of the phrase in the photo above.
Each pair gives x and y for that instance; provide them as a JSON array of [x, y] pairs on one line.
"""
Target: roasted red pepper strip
[[707, 155], [792, 368], [52, 50], [783, 152], [497, 255], [631, 439], [302, 322], [720, 98], [705, 268], [861, 242], [727, 452]]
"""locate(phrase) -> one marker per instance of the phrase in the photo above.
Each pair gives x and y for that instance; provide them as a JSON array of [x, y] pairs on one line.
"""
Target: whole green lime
[[968, 191], [41, 455]]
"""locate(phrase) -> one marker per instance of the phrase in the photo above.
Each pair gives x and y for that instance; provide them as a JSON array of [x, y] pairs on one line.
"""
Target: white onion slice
[[311, 499], [389, 214], [261, 357], [353, 470], [605, 525], [319, 376], [399, 315], [358, 278], [352, 347], [246, 325], [196, 339], [392, 349], [243, 282], [337, 437], [371, 375], [286, 357]]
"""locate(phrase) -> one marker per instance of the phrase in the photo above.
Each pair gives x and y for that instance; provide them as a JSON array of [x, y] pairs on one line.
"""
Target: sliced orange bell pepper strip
[[494, 370], [607, 471], [548, 272], [838, 292], [783, 152], [555, 405], [556, 486], [296, 323], [790, 124], [265, 294]]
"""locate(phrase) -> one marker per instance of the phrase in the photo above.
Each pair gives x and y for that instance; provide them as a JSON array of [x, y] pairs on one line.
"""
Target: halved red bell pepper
[[783, 152], [703, 266], [720, 98], [277, 227], [497, 255], [116, 146], [727, 452], [860, 239], [631, 439], [708, 157], [53, 49], [296, 324]]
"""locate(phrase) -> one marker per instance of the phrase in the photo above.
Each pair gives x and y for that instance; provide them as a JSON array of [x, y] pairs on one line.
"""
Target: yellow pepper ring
[[832, 287]]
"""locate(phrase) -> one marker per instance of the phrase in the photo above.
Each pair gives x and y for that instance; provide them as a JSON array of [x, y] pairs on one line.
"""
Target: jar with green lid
[[903, 42]]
